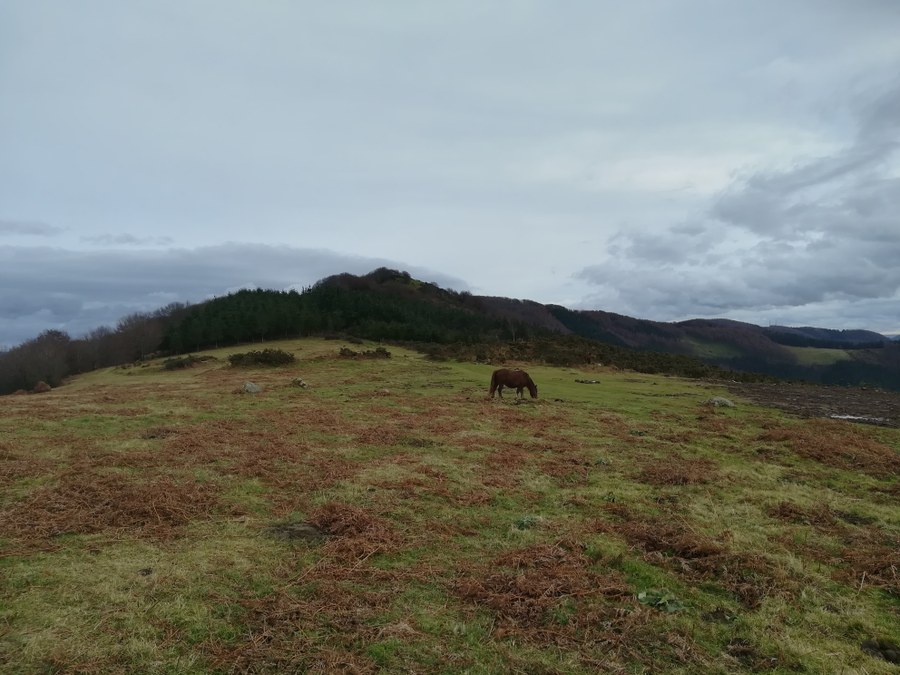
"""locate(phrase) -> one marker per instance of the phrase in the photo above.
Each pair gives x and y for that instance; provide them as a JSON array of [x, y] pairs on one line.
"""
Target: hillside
[[384, 515], [391, 306], [807, 353]]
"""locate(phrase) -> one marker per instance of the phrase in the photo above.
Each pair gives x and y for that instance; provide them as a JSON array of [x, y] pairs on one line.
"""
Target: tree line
[[328, 308], [53, 355]]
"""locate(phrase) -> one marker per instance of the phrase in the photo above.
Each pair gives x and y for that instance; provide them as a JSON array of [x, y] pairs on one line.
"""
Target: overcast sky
[[665, 159]]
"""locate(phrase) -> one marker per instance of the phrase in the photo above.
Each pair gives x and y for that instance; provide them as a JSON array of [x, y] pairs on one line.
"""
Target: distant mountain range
[[808, 353]]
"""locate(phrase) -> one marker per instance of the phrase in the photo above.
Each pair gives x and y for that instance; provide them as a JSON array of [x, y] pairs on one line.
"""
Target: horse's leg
[[519, 393], [500, 391]]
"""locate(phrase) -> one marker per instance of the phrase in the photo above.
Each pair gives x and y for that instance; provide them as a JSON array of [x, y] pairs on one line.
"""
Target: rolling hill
[[392, 306]]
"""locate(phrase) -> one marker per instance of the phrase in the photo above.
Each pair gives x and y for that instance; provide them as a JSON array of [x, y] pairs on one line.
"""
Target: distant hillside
[[813, 354], [390, 305], [825, 338]]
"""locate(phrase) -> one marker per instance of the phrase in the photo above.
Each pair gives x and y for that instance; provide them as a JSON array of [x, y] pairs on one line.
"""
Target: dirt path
[[869, 406]]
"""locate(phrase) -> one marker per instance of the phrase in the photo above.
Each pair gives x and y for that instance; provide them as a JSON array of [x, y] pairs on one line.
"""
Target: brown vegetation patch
[[152, 433], [573, 468], [719, 424], [380, 434], [614, 425], [475, 497], [295, 481], [670, 538], [547, 593], [503, 467], [411, 488], [426, 480], [678, 470], [431, 418], [750, 577], [868, 555], [749, 656], [838, 444], [14, 467], [355, 533], [319, 619], [319, 633], [819, 515], [872, 558], [88, 503], [308, 416]]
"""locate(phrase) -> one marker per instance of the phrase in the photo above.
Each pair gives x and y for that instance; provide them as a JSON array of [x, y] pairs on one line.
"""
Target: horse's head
[[532, 388]]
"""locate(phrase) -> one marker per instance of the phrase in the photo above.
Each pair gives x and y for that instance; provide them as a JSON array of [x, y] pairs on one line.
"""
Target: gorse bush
[[377, 353], [180, 362], [266, 357]]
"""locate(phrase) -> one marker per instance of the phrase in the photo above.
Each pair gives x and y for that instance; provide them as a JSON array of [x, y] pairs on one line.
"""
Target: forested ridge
[[387, 305], [384, 305]]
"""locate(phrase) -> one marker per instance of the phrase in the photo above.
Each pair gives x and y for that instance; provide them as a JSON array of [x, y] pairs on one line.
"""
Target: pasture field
[[818, 356], [707, 349], [391, 518]]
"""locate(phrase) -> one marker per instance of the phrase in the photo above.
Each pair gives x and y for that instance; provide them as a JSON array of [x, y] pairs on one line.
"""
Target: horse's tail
[[493, 383]]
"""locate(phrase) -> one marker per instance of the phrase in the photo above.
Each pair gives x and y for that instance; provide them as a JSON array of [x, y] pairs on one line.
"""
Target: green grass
[[816, 356], [704, 349], [468, 535]]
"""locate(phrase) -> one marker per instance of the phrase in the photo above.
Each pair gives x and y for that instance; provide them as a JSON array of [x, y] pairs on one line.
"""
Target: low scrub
[[266, 357], [377, 353], [181, 362]]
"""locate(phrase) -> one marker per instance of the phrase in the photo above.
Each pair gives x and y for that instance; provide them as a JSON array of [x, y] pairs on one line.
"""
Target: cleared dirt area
[[857, 404]]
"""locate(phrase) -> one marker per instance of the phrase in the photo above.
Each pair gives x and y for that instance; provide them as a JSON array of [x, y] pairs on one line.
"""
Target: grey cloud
[[848, 190], [823, 234], [126, 240], [880, 120], [28, 227], [88, 289]]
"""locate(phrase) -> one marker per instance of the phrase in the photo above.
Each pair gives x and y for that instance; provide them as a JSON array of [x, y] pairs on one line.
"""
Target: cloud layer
[[660, 159], [818, 241], [77, 291]]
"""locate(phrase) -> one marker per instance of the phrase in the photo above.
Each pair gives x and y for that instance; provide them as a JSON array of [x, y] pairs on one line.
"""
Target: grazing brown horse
[[512, 378]]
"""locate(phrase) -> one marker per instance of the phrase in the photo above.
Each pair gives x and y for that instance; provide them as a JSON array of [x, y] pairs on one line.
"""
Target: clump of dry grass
[[872, 558], [837, 444], [548, 594], [283, 634], [678, 470], [82, 503], [355, 533], [534, 581], [14, 466], [315, 621], [820, 515], [697, 557], [869, 556]]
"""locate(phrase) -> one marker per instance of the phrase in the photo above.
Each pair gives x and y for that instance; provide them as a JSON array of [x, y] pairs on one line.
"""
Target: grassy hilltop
[[390, 517]]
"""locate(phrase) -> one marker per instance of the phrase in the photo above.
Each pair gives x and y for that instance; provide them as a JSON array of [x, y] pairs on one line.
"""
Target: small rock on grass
[[885, 649]]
